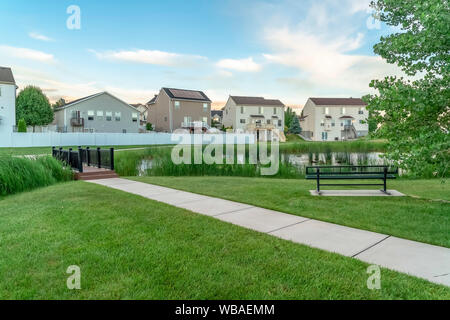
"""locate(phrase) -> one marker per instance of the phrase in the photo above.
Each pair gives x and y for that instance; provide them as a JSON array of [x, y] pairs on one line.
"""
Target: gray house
[[101, 112]]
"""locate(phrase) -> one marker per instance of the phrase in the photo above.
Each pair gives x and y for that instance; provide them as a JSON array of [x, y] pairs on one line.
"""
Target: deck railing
[[100, 158]]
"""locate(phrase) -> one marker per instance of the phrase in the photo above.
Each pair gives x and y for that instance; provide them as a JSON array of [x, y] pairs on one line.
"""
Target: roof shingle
[[6, 75], [338, 101], [256, 101]]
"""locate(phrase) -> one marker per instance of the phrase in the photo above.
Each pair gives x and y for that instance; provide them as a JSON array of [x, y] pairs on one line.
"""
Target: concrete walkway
[[415, 258]]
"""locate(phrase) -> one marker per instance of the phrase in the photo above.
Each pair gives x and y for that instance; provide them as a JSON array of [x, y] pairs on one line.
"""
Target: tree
[[295, 126], [414, 114], [33, 106], [61, 102], [22, 126], [289, 114]]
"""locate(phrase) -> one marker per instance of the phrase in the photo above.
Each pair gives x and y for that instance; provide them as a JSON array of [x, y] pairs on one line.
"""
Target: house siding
[[164, 109], [105, 103]]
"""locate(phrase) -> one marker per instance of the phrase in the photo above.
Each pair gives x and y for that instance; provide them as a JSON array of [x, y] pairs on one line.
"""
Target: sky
[[287, 49]]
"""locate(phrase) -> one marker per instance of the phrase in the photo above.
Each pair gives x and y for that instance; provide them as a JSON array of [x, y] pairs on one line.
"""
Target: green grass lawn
[[405, 217], [129, 247]]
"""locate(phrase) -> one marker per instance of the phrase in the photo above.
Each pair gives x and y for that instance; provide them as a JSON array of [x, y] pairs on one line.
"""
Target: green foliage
[[61, 102], [414, 114], [149, 126], [33, 106], [295, 126], [22, 126], [22, 174], [289, 114]]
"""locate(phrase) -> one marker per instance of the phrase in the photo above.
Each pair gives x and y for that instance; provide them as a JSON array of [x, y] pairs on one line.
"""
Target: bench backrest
[[337, 170]]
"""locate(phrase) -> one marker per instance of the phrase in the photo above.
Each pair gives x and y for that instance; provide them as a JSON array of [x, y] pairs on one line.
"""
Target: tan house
[[175, 109], [143, 115], [333, 119], [263, 117]]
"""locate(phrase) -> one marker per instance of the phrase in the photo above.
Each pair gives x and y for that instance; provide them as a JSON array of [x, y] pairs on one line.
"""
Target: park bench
[[351, 173]]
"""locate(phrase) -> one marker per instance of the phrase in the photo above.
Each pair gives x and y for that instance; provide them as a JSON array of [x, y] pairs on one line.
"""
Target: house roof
[[260, 101], [153, 100], [216, 112], [69, 104], [6, 75], [186, 94], [338, 102]]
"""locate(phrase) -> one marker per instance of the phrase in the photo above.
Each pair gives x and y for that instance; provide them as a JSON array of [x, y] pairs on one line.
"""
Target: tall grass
[[335, 146], [23, 174], [127, 164]]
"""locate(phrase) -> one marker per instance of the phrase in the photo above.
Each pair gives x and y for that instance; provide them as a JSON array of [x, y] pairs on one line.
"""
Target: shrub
[[149, 126], [22, 174], [22, 125]]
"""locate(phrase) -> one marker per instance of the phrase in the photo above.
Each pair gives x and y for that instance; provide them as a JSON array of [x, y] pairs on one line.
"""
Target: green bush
[[22, 174], [22, 126], [149, 126]]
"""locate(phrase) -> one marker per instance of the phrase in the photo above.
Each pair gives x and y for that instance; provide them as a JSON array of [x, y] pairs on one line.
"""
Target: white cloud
[[25, 53], [41, 37], [155, 57], [243, 65], [322, 50]]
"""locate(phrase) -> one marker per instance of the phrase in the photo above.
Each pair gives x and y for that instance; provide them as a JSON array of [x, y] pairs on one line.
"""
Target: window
[[322, 123], [0, 92], [99, 113], [333, 124], [279, 123], [165, 119], [108, 116], [134, 116], [187, 120], [260, 110], [242, 120], [324, 135], [327, 110], [177, 105], [118, 115], [205, 119], [343, 110], [242, 110], [91, 115], [362, 122], [342, 124], [268, 121], [205, 107], [274, 110], [361, 111], [124, 130]]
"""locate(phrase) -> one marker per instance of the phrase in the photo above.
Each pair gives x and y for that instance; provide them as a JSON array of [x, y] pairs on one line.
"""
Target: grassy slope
[[416, 219], [131, 248]]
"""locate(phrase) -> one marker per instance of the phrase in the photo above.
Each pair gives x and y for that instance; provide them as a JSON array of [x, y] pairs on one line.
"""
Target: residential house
[[143, 115], [175, 109], [101, 112], [331, 119], [7, 101], [216, 117], [263, 117]]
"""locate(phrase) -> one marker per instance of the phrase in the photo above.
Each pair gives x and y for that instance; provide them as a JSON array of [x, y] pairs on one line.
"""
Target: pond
[[301, 160]]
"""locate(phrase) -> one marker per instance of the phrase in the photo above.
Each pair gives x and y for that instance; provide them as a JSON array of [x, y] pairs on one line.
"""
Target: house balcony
[[259, 126], [77, 122]]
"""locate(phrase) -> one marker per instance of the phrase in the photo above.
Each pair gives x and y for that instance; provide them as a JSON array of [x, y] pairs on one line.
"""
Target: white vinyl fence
[[49, 139]]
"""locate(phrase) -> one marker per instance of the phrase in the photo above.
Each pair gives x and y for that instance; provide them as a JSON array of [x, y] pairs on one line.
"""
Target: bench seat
[[350, 173], [351, 176]]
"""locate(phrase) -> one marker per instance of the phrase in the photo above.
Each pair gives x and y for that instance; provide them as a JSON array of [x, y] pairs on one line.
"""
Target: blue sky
[[288, 49]]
